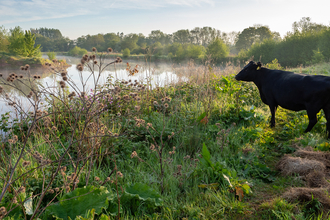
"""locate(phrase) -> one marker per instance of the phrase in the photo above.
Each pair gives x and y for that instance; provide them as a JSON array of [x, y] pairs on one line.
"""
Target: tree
[[252, 35], [306, 25], [23, 44], [129, 41], [3, 39], [217, 50], [181, 36]]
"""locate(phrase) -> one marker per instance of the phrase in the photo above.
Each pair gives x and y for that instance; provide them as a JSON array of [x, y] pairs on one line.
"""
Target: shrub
[[126, 53], [77, 51]]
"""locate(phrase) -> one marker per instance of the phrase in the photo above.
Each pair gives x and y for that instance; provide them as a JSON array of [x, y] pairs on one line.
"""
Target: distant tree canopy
[[3, 39], [51, 33], [217, 50], [252, 35], [308, 43]]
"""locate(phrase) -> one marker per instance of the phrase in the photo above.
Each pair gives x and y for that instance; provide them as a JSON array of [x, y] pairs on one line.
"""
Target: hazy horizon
[[77, 18]]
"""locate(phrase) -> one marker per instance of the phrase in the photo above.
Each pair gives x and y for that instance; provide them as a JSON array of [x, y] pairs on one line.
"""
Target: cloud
[[30, 10]]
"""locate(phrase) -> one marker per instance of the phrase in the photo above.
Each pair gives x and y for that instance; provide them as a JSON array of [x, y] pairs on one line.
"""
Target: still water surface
[[158, 74]]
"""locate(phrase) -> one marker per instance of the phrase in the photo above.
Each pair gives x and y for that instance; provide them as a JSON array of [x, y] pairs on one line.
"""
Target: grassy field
[[197, 149]]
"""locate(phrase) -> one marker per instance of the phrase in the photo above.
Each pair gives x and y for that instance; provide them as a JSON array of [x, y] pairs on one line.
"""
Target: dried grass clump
[[303, 194], [323, 157], [296, 165], [317, 179]]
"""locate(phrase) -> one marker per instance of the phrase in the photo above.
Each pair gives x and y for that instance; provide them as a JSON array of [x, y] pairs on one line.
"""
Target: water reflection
[[154, 74]]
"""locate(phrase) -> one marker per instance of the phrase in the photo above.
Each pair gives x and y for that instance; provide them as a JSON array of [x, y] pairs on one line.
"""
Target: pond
[[155, 74]]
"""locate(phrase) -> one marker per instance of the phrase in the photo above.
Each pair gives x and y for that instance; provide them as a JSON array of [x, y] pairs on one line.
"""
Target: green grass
[[238, 180]]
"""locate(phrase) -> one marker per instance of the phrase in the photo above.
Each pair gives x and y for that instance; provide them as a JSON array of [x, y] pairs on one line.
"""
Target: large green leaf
[[79, 202], [141, 197], [206, 159]]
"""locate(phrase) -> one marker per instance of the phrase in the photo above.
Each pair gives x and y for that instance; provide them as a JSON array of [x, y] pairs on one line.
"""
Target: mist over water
[[155, 74]]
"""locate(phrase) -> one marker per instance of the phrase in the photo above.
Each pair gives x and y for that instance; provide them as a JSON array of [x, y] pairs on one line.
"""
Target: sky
[[75, 18]]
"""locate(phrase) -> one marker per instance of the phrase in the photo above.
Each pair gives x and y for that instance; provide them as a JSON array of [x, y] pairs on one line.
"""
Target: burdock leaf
[[79, 202]]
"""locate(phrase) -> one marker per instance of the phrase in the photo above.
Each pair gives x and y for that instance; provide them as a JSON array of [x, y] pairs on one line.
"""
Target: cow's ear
[[259, 65]]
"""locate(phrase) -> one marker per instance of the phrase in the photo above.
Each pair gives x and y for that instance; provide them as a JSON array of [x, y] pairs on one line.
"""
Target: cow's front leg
[[272, 111], [312, 120]]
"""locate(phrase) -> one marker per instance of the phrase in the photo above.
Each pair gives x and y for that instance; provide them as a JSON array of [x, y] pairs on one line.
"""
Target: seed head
[[120, 174], [134, 154], [94, 49], [80, 67], [110, 50], [95, 62]]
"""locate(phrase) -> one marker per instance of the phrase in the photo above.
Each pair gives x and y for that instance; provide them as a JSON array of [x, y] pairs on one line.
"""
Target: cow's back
[[293, 91]]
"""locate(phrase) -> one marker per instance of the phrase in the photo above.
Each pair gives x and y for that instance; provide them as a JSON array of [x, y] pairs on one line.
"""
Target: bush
[[126, 53], [77, 51], [51, 55]]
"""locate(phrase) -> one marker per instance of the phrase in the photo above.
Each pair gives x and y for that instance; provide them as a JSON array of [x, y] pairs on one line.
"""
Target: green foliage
[[23, 44], [51, 55], [126, 53], [79, 201], [217, 49], [3, 39], [274, 65], [77, 51], [252, 35], [141, 198], [317, 57]]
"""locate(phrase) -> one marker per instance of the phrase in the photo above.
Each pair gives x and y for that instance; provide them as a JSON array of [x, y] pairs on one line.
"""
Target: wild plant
[[60, 136]]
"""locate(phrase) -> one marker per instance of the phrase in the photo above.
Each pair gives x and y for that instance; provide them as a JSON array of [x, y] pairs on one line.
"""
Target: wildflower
[[107, 179], [27, 66], [134, 154], [97, 178], [155, 103], [51, 191], [149, 125], [109, 49], [117, 89], [118, 114], [94, 49], [80, 67], [63, 73], [118, 60], [166, 105], [3, 211], [26, 163], [120, 174], [57, 189], [152, 147], [168, 99], [22, 68], [137, 108], [163, 100], [21, 189]]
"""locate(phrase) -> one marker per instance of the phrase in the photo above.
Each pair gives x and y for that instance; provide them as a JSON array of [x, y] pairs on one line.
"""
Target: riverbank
[[9, 61]]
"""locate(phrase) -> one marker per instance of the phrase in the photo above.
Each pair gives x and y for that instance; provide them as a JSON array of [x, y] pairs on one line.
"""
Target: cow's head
[[248, 72]]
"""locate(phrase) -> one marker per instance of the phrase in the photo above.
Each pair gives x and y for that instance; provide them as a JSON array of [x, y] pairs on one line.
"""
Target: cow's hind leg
[[326, 110], [312, 119]]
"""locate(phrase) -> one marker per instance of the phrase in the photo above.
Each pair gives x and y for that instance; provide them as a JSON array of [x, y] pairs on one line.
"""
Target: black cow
[[290, 90]]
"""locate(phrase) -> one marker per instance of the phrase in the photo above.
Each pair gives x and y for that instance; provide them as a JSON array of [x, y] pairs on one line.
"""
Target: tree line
[[299, 46]]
